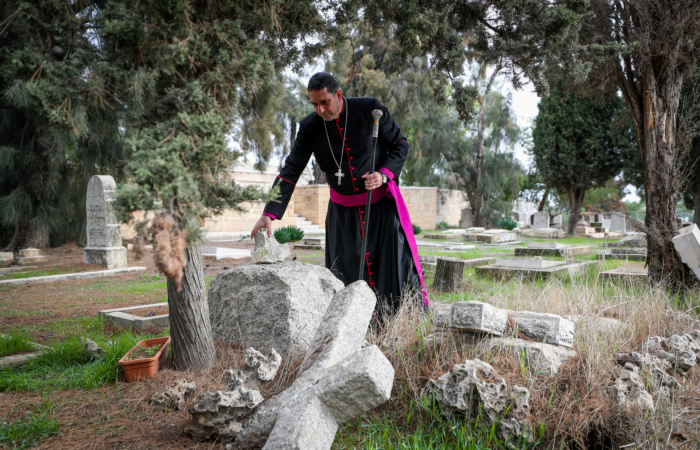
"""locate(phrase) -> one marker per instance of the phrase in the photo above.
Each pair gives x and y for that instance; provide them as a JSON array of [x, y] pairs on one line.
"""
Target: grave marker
[[104, 236], [541, 220], [687, 244], [618, 222]]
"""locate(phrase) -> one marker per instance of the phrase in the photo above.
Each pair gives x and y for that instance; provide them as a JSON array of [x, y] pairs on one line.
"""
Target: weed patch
[[34, 427], [14, 343]]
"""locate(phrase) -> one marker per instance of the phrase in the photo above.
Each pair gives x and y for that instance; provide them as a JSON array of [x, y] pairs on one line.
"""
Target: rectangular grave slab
[[544, 327], [29, 256], [545, 233], [629, 251], [528, 263], [6, 257], [496, 236], [315, 241], [687, 244], [584, 230], [565, 270], [478, 317], [476, 229], [565, 252], [223, 252], [546, 245], [635, 272], [121, 318]]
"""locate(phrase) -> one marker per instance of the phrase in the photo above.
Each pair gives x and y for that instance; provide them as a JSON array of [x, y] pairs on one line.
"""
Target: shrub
[[506, 224], [416, 229], [443, 225], [288, 234]]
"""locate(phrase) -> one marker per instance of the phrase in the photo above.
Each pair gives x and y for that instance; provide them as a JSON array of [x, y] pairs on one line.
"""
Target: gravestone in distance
[[104, 235], [540, 220], [556, 221], [467, 219], [270, 306], [618, 222]]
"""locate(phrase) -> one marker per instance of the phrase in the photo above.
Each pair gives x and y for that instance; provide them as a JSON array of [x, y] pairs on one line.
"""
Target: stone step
[[303, 223]]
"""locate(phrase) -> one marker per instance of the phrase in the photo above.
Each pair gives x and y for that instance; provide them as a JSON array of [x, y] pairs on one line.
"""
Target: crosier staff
[[376, 114]]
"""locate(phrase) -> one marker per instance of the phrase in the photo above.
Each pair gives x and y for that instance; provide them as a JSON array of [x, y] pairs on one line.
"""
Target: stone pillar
[[104, 238]]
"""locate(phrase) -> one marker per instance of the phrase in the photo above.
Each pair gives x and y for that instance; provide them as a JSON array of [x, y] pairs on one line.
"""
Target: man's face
[[327, 105]]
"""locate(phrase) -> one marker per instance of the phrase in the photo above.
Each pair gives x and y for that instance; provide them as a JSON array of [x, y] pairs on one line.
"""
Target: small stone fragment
[[174, 397], [266, 366], [93, 349], [539, 358], [267, 250], [628, 390], [216, 414], [677, 350], [543, 327]]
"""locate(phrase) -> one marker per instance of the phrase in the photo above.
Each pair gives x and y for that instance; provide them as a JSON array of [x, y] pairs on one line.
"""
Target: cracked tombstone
[[338, 380]]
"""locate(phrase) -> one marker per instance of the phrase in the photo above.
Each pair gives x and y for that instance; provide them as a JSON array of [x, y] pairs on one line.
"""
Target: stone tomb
[[628, 272], [552, 249], [104, 236], [339, 379], [687, 244], [531, 269], [316, 243], [121, 318], [545, 233], [270, 306], [29, 256], [496, 236], [628, 253]]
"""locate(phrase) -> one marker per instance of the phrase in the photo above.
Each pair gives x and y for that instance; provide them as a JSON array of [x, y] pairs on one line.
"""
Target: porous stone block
[[29, 256], [687, 245], [540, 358], [267, 250], [478, 317], [544, 327], [269, 306], [111, 258]]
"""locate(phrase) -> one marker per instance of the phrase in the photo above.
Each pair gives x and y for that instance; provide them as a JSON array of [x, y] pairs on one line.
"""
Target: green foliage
[[35, 426], [506, 224], [14, 343], [416, 229], [443, 225], [290, 233]]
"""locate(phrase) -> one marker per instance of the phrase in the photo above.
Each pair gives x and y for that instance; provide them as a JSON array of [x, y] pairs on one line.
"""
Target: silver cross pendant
[[340, 175]]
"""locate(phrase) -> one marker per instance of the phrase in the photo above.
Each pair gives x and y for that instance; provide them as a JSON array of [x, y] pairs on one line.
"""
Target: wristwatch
[[385, 179]]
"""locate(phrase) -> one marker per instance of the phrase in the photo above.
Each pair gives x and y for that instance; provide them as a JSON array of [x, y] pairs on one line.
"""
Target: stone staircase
[[306, 226]]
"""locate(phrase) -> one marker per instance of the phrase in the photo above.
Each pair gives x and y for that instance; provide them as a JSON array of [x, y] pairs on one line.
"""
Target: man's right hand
[[263, 222]]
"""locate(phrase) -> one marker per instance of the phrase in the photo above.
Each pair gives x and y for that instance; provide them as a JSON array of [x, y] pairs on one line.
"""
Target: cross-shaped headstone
[[337, 381]]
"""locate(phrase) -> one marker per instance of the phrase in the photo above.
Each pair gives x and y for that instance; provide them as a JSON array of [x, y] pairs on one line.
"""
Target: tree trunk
[[576, 196], [478, 209], [543, 202], [26, 236], [190, 328], [449, 274], [696, 201]]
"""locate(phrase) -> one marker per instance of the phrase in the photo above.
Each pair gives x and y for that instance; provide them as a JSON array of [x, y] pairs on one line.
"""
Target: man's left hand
[[372, 180]]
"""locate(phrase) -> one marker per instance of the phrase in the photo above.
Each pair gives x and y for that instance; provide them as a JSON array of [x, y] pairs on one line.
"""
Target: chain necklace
[[340, 173]]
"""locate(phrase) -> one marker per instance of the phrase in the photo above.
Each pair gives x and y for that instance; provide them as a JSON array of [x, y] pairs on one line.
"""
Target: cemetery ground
[[65, 399]]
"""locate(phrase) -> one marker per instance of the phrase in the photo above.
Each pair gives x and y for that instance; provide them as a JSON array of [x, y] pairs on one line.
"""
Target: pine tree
[[579, 143]]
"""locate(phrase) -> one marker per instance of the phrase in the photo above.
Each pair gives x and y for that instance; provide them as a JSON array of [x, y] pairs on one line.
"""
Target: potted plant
[[145, 358]]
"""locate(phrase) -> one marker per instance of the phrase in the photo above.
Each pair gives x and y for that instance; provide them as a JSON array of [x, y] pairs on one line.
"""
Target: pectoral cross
[[340, 175]]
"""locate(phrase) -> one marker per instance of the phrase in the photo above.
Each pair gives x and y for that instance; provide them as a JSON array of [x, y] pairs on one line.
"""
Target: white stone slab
[[223, 252], [478, 317], [6, 257], [618, 222], [541, 220], [527, 263], [546, 245], [71, 276], [543, 327], [687, 244]]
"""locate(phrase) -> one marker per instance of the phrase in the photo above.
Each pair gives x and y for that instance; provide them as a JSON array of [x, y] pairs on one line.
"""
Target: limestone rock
[[217, 414], [540, 358], [628, 390], [276, 306], [93, 349], [174, 397], [677, 350], [267, 250], [661, 382], [338, 380], [465, 390], [441, 316], [543, 327], [479, 317], [256, 369]]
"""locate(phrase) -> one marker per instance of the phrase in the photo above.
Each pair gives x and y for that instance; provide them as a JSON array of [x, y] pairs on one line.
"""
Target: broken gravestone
[[267, 250], [628, 390], [174, 397], [537, 357], [219, 414], [337, 381], [104, 235], [687, 244], [271, 306], [475, 389]]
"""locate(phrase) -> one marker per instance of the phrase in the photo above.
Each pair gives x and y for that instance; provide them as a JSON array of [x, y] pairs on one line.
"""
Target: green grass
[[14, 343], [34, 427], [67, 366], [36, 273]]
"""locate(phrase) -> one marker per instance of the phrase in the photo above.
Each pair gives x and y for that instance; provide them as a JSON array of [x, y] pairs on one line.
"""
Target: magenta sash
[[390, 189]]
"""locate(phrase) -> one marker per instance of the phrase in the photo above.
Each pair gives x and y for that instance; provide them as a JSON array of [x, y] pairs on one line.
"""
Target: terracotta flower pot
[[145, 367]]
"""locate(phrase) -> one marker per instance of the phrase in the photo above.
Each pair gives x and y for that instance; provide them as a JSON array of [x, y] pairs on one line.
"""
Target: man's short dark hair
[[322, 80]]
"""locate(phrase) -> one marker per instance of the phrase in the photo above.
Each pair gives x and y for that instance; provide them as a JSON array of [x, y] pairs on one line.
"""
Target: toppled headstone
[[539, 357], [271, 306], [338, 380], [680, 351], [628, 390], [104, 235], [29, 256], [465, 390], [441, 316], [219, 414], [174, 397], [544, 327], [267, 250], [478, 317], [93, 349], [687, 244]]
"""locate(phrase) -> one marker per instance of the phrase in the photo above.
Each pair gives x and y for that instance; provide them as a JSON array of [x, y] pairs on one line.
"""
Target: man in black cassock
[[339, 135]]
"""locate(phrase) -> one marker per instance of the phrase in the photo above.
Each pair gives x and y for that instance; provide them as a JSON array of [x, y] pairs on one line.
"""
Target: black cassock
[[392, 267]]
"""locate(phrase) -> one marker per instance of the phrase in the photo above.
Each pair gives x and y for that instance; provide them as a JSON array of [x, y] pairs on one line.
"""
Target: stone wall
[[422, 205], [311, 202], [450, 204]]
